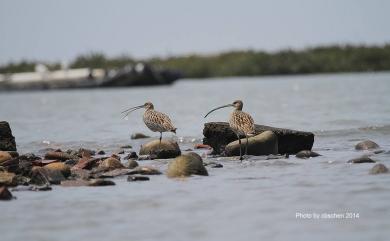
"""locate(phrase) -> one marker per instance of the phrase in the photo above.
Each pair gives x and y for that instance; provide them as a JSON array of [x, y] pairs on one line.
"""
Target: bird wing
[[247, 123], [165, 121]]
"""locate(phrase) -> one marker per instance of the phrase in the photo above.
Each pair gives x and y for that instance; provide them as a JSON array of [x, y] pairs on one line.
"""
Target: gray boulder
[[366, 145]]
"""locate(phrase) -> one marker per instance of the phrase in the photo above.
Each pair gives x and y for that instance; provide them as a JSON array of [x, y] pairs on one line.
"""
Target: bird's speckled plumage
[[157, 121], [242, 123]]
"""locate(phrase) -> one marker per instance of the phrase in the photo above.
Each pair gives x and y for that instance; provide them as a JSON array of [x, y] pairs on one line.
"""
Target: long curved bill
[[128, 111], [224, 106]]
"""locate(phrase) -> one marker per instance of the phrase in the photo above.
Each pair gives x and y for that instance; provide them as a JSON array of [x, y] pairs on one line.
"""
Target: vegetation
[[245, 63]]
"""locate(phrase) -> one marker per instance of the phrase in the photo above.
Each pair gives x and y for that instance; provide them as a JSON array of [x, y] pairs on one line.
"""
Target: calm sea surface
[[254, 200]]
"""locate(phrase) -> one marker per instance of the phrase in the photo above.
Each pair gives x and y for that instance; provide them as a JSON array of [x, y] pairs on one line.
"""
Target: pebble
[[137, 178], [5, 194], [378, 169], [306, 154], [100, 182], [138, 136], [362, 159], [144, 170]]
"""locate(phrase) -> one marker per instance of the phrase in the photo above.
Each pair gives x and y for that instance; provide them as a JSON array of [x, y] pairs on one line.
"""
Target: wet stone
[[132, 155], [60, 166], [137, 178], [101, 182], [62, 156], [366, 145], [40, 188], [362, 159], [101, 152], [131, 164], [378, 169], [138, 136], [126, 147], [74, 183], [4, 156], [44, 176], [114, 173], [71, 162], [5, 194], [306, 154], [81, 173], [143, 170], [186, 165], [8, 179]]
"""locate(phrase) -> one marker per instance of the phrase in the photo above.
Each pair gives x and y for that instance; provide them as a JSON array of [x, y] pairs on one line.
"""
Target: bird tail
[[174, 130]]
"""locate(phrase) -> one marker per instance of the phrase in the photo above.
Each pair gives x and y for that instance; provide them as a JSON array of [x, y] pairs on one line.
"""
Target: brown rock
[[8, 179], [62, 156], [110, 163], [4, 156], [202, 146], [114, 173], [44, 176], [138, 136], [86, 163], [60, 166], [167, 149], [80, 173]]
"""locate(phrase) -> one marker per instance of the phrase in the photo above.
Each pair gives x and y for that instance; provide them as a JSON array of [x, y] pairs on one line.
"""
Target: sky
[[50, 30]]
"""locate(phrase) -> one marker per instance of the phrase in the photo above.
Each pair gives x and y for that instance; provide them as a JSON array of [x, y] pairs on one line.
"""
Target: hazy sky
[[60, 30]]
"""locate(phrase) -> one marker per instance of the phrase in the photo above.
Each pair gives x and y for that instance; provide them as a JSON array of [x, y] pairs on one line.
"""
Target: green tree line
[[346, 58]]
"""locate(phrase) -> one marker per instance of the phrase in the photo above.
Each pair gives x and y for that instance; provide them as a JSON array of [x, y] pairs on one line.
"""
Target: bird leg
[[159, 146], [239, 142], [246, 146]]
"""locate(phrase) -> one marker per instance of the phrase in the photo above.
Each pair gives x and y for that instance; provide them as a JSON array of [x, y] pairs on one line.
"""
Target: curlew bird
[[154, 120], [240, 122]]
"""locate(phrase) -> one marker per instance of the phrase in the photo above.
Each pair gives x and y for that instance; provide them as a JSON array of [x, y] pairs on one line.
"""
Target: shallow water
[[256, 199]]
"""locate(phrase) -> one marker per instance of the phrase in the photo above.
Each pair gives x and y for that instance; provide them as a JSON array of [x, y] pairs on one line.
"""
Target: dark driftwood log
[[218, 135], [7, 140]]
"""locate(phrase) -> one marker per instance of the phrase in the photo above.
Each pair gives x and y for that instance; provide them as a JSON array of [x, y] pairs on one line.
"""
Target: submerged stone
[[366, 145], [186, 165], [137, 178], [138, 136], [5, 194], [306, 154], [378, 169], [362, 159]]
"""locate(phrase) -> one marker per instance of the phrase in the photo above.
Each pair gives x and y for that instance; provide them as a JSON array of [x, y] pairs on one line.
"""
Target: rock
[[60, 166], [82, 151], [14, 154], [8, 179], [119, 152], [137, 178], [362, 159], [7, 140], [213, 165], [144, 170], [167, 149], [113, 173], [219, 134], [202, 146], [74, 183], [261, 144], [100, 182], [110, 163], [132, 155], [378, 169], [22, 180], [70, 162], [366, 145], [101, 152], [126, 147], [5, 194], [87, 163], [4, 156], [42, 163], [138, 136], [11, 165], [145, 157], [131, 164], [80, 173], [40, 188], [44, 176], [62, 156], [186, 165], [306, 154]]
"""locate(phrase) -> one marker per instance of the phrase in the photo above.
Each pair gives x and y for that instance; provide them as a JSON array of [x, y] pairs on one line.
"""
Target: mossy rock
[[186, 165], [167, 149], [262, 144]]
